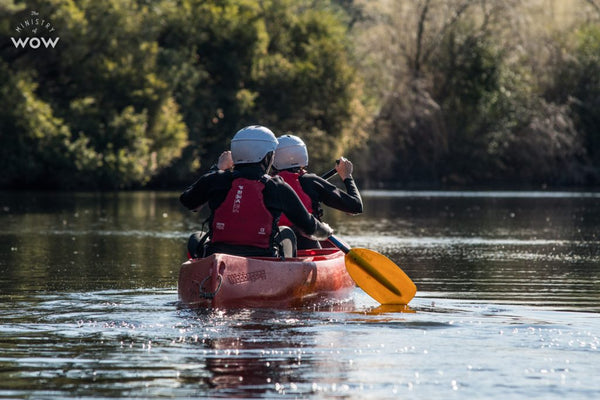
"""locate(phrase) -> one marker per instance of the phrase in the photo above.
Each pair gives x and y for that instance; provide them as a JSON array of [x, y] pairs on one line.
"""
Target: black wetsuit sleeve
[[324, 192], [194, 196], [281, 197], [211, 187]]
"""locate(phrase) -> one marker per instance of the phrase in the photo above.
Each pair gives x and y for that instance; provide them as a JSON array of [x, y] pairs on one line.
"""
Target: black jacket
[[212, 188], [321, 191]]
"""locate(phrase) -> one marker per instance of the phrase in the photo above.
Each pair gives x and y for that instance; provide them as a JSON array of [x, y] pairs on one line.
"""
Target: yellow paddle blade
[[379, 277]]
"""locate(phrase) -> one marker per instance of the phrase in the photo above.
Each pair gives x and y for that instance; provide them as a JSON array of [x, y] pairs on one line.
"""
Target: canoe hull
[[228, 281]]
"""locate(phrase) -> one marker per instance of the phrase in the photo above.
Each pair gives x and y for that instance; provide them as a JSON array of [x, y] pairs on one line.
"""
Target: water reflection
[[503, 246], [88, 304], [261, 353], [391, 308], [60, 241], [542, 250]]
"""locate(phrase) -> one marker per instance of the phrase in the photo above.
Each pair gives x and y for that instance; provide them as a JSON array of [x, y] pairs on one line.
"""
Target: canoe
[[227, 281]]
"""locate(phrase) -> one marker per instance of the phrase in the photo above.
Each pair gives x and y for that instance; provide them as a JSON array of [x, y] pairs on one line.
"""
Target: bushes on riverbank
[[434, 92], [498, 93]]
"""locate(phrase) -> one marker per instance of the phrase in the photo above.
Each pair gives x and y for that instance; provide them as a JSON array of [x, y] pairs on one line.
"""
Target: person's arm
[[197, 194], [283, 198], [352, 197], [225, 162], [332, 196]]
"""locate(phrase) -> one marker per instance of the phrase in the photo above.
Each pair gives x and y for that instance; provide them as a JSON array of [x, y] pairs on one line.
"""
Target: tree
[[576, 83], [461, 101], [282, 64], [110, 120]]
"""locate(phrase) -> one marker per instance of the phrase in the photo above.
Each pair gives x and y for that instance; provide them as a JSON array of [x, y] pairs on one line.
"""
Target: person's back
[[241, 223], [291, 160], [245, 203]]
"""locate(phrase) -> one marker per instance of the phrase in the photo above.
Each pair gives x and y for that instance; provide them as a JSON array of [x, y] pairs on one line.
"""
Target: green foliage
[[143, 93], [473, 112], [138, 91], [213, 45], [282, 64], [587, 90], [100, 114], [466, 80], [577, 83], [438, 126]]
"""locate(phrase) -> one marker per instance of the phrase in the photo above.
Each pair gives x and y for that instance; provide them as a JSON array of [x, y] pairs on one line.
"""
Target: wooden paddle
[[374, 273]]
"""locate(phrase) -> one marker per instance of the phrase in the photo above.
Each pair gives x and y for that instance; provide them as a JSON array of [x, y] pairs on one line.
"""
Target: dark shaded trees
[[140, 92], [93, 111], [433, 92]]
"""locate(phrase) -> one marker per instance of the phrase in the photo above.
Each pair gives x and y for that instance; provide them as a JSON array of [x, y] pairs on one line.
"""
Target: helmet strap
[[267, 162]]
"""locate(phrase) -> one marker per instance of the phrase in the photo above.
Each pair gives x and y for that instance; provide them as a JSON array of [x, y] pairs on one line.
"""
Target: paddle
[[331, 172], [374, 273], [377, 275]]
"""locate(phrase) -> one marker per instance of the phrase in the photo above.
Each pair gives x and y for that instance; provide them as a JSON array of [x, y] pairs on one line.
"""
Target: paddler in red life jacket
[[246, 203], [291, 160]]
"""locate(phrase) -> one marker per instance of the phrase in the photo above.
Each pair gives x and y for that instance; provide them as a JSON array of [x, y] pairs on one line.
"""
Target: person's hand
[[344, 168], [322, 232], [225, 161]]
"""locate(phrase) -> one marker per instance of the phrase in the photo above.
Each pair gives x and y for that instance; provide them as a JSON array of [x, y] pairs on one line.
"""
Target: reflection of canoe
[[227, 281]]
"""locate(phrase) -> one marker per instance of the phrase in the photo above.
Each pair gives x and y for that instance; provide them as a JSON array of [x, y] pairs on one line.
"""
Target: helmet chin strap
[[267, 162]]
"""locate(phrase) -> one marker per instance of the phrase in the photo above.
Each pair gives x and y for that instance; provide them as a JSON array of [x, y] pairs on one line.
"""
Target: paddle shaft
[[331, 172], [338, 243]]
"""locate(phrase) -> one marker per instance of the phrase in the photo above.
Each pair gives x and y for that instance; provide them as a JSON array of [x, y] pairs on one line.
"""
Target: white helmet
[[251, 144], [291, 152]]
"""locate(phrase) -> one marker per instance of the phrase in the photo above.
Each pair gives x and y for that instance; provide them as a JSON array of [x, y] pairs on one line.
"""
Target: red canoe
[[227, 281]]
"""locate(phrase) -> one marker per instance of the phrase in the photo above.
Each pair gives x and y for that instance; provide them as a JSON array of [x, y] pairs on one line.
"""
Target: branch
[[420, 30], [455, 17], [593, 4]]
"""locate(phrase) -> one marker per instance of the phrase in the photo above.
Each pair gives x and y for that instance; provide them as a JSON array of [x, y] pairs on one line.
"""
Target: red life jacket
[[293, 179], [243, 219]]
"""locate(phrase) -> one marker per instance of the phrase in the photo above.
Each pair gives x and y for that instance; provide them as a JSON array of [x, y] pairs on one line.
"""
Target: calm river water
[[507, 307]]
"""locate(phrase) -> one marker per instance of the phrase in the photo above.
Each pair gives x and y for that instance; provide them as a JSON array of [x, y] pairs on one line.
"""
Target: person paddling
[[290, 163], [246, 204]]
